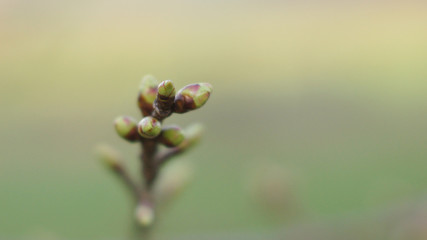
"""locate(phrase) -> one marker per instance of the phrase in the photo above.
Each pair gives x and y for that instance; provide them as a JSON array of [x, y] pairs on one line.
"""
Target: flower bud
[[192, 96], [126, 128], [149, 127], [165, 98], [194, 132], [192, 135], [147, 94], [166, 89], [145, 214], [108, 156], [171, 136]]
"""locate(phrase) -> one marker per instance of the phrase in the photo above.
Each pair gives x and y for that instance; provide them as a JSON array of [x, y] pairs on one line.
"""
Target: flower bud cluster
[[156, 102]]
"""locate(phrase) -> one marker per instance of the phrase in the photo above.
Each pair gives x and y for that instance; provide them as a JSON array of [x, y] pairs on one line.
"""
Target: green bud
[[108, 156], [192, 96], [194, 132], [126, 128], [166, 89], [192, 135], [145, 214], [165, 98], [149, 127], [147, 94], [171, 136]]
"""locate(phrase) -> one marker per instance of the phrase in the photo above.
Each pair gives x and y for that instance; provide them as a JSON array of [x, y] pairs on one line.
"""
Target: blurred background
[[317, 126]]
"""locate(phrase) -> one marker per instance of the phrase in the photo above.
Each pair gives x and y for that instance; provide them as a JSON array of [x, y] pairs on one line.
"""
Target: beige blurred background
[[330, 93]]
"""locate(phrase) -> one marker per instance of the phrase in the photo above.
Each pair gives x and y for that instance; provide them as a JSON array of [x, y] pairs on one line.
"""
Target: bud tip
[[192, 96], [126, 127], [145, 215], [166, 88], [149, 127], [108, 155], [172, 136]]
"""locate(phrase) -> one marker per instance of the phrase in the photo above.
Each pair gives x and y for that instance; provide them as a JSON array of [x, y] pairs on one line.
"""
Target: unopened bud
[[192, 135], [147, 94], [166, 89], [145, 214], [126, 128], [194, 132], [149, 127], [165, 98], [192, 96], [171, 136], [108, 156]]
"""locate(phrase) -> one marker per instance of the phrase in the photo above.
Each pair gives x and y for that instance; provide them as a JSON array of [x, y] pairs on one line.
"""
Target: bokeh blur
[[316, 128]]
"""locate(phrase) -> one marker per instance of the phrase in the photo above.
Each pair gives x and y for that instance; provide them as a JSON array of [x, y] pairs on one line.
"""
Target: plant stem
[[127, 180], [149, 168]]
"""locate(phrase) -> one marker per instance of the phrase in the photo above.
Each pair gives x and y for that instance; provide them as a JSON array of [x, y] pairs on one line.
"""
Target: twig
[[191, 139], [149, 169], [127, 180], [156, 103]]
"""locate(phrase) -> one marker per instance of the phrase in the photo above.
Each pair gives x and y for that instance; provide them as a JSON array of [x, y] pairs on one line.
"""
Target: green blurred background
[[330, 95]]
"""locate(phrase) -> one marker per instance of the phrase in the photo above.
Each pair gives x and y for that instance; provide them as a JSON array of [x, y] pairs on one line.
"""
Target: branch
[[164, 156], [157, 102], [127, 180], [164, 100], [148, 168], [193, 134], [113, 161]]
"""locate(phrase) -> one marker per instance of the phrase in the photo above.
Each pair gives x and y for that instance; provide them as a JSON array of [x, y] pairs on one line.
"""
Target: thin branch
[[155, 111], [165, 155], [127, 180], [162, 157]]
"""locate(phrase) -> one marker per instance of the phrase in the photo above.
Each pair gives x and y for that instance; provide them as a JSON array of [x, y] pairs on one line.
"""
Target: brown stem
[[163, 104], [149, 168], [123, 174], [164, 156], [162, 109]]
